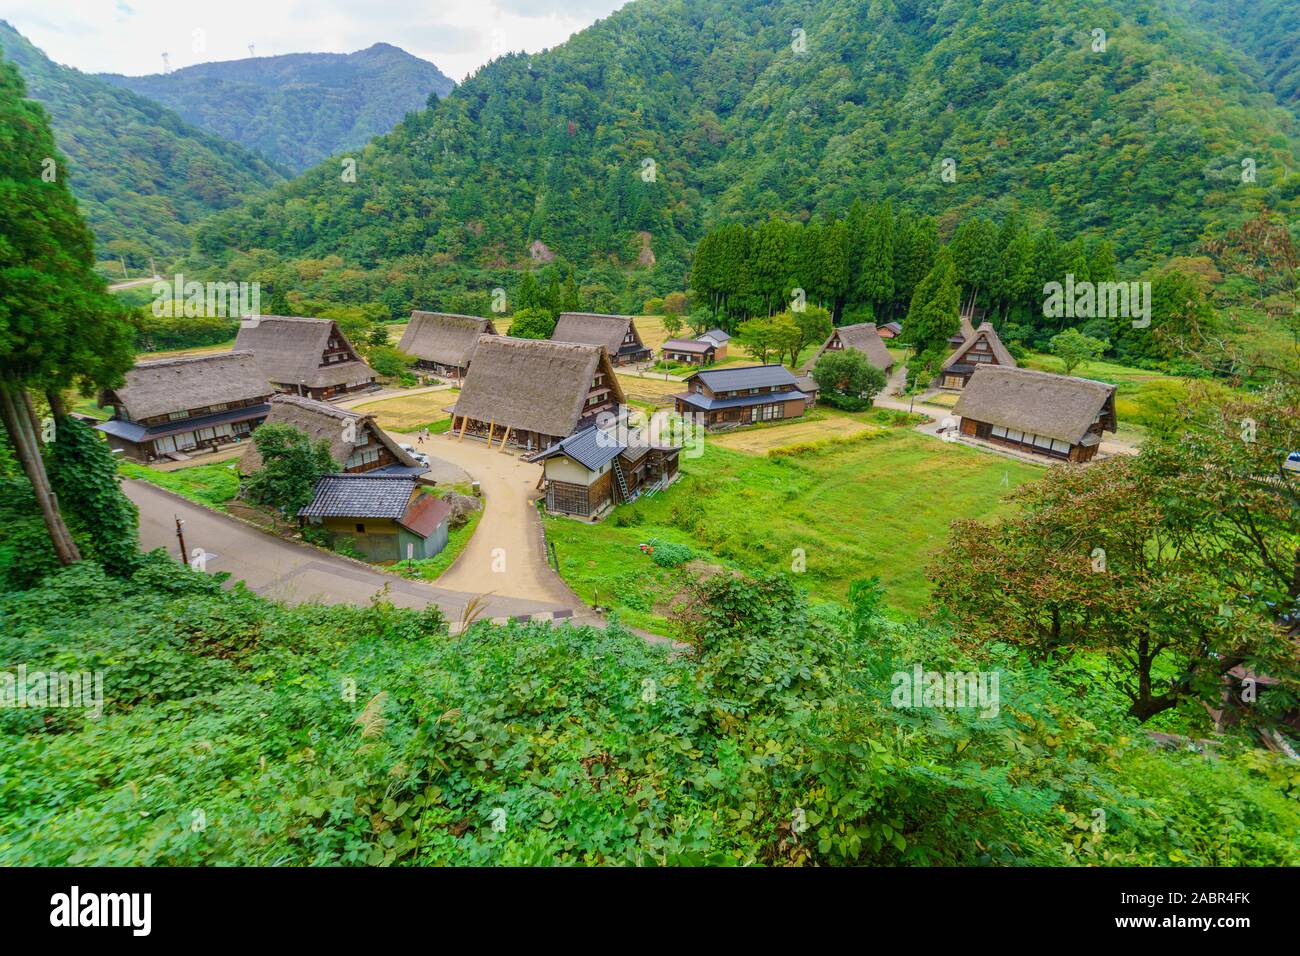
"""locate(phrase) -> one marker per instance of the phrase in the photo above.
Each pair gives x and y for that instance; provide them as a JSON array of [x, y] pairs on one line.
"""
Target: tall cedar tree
[[58, 324]]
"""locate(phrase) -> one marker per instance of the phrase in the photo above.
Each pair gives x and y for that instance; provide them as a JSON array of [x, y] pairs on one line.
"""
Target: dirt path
[[506, 555]]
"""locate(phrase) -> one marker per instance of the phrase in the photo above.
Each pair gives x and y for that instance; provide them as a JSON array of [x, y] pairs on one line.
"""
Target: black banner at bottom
[[334, 906]]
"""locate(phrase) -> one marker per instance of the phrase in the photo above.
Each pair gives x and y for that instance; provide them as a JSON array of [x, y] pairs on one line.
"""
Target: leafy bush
[[341, 735], [669, 555]]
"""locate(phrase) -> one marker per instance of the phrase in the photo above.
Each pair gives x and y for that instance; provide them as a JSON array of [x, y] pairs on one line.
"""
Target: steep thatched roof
[[290, 349], [983, 333], [964, 331], [1056, 406], [532, 384], [593, 329], [179, 384], [443, 337], [343, 429], [863, 338]]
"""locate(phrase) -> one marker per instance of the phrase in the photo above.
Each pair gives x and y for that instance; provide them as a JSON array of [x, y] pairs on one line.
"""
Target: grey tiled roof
[[754, 376], [591, 448], [359, 496]]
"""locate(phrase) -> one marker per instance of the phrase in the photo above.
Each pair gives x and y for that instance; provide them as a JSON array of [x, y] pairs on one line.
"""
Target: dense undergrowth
[[239, 731]]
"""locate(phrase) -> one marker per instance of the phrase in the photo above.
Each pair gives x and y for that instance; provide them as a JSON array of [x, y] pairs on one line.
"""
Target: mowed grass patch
[[409, 413], [814, 427], [213, 484], [649, 391], [874, 507]]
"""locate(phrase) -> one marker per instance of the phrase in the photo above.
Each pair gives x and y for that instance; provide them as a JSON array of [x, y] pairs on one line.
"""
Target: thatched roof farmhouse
[[357, 444], [617, 333], [442, 342], [532, 392], [863, 338], [310, 357], [173, 406], [982, 348], [1059, 416]]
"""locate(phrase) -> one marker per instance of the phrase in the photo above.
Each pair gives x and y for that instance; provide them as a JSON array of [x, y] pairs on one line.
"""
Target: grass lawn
[[879, 506], [89, 406], [430, 569], [817, 425], [213, 484], [409, 413], [945, 399]]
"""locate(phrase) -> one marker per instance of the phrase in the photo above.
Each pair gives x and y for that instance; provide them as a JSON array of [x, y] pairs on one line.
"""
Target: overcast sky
[[130, 36]]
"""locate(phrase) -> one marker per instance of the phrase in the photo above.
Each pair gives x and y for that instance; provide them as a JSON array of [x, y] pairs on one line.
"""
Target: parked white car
[[1292, 462]]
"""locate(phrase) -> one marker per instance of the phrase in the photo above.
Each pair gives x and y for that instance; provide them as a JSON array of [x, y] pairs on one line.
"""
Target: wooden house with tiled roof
[[303, 356], [599, 467], [386, 518], [728, 397]]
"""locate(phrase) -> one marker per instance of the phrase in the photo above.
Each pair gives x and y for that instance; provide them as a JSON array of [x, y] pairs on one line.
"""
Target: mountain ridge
[[141, 174], [667, 117], [296, 109]]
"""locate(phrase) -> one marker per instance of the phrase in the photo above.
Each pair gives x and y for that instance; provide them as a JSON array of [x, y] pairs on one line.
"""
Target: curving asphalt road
[[297, 573]]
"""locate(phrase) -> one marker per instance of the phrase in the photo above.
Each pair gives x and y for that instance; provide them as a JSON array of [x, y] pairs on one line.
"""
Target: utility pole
[[180, 536]]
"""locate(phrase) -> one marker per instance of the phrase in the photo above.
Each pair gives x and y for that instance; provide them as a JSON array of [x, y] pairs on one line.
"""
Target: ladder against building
[[622, 480]]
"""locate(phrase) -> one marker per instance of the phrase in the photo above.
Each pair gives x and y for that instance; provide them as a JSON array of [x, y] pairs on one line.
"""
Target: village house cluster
[[549, 401]]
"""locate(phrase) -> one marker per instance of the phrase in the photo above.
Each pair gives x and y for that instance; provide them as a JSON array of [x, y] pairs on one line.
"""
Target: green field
[[879, 506], [212, 484]]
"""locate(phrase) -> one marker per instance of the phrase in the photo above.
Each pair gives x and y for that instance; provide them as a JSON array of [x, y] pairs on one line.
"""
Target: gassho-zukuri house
[[444, 343], [982, 348], [308, 357], [387, 518], [170, 407], [740, 396], [1058, 416], [863, 338], [531, 393], [357, 445], [616, 333], [597, 468]]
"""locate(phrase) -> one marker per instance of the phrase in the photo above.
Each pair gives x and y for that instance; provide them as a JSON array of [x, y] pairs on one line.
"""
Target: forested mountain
[[299, 108], [1267, 32], [141, 174], [625, 143]]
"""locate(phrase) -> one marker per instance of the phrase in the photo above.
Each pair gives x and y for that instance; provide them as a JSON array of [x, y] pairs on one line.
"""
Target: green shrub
[[669, 555]]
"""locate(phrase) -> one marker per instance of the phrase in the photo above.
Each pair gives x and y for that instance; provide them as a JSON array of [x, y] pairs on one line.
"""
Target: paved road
[[297, 573], [132, 283]]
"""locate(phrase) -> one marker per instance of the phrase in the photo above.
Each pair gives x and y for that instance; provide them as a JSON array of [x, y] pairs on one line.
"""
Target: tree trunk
[[57, 408], [15, 412]]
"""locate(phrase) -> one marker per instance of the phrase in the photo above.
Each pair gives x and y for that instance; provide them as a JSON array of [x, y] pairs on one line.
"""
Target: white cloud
[[130, 36]]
